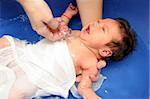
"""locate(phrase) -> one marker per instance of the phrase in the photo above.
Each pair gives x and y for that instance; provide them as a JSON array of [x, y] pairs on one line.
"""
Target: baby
[[53, 66]]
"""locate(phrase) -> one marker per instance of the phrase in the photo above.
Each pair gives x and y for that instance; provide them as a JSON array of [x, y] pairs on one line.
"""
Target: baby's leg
[[22, 88], [6, 52], [4, 43]]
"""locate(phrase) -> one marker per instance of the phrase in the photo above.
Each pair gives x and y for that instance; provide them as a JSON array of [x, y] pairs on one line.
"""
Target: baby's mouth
[[87, 29]]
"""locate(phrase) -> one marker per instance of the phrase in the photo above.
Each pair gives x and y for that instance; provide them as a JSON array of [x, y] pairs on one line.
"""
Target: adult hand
[[58, 28], [39, 15]]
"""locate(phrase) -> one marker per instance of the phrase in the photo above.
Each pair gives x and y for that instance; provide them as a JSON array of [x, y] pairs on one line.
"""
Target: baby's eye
[[98, 21], [103, 29]]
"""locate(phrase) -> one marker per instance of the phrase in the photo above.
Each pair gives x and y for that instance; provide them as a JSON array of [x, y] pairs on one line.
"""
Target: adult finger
[[52, 25], [45, 32], [59, 19]]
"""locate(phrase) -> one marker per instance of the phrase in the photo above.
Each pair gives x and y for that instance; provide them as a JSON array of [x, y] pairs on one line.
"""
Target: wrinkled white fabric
[[7, 78], [6, 55], [47, 64], [7, 75]]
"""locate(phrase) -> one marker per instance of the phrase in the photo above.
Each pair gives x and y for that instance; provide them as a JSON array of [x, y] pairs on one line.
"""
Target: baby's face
[[101, 32]]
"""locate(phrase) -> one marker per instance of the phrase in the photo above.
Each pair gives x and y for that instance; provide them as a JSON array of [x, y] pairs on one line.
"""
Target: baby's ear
[[105, 52]]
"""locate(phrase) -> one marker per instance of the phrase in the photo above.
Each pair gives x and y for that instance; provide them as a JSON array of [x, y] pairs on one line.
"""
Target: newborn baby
[[52, 67]]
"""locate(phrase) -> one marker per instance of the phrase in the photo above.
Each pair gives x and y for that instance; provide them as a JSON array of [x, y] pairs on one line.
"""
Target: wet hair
[[123, 47]]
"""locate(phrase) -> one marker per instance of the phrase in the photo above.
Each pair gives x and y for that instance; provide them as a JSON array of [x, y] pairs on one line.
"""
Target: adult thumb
[[53, 24]]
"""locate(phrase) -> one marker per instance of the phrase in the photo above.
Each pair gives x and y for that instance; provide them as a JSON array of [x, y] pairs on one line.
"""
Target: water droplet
[[105, 77], [106, 91], [23, 18]]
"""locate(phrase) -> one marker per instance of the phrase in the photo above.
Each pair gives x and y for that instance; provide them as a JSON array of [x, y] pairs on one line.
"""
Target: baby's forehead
[[111, 24], [110, 21], [114, 28]]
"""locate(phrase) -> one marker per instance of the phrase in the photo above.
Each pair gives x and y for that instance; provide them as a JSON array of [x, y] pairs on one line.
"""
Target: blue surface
[[127, 79]]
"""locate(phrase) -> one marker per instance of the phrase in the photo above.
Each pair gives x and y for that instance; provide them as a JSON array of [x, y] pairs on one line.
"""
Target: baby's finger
[[101, 64], [78, 78], [94, 77], [76, 9], [71, 6]]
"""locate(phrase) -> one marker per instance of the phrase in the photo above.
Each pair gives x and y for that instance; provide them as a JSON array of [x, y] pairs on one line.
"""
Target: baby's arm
[[93, 71], [61, 29], [85, 87], [85, 80], [69, 13], [58, 22]]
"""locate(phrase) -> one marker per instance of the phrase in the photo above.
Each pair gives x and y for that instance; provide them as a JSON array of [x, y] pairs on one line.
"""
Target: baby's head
[[112, 38], [126, 45]]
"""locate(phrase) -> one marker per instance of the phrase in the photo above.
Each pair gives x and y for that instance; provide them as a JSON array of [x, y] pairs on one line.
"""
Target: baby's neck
[[75, 46], [78, 48], [76, 35]]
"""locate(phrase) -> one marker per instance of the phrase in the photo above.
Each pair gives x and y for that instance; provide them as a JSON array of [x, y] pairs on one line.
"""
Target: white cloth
[[6, 55], [7, 78], [47, 64], [7, 75]]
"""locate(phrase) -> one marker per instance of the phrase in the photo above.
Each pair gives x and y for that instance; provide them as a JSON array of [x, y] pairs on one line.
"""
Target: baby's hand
[[101, 64], [85, 88], [71, 11], [93, 72]]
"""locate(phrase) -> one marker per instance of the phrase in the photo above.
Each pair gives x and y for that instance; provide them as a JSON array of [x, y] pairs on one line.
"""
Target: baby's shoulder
[[88, 62]]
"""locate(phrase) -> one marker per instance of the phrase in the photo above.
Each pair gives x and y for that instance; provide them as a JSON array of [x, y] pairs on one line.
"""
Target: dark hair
[[126, 45]]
